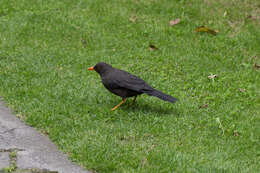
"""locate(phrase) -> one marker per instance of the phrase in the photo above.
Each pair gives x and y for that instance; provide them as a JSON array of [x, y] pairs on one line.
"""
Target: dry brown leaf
[[148, 135], [213, 76], [242, 90], [20, 116], [236, 133], [203, 106], [204, 29], [127, 138], [44, 132], [257, 66], [133, 19], [152, 47], [174, 22]]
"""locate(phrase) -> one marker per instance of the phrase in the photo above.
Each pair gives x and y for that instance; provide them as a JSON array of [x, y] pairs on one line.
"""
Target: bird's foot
[[114, 108], [133, 102]]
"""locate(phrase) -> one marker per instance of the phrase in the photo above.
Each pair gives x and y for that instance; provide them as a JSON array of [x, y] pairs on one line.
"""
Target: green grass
[[46, 47]]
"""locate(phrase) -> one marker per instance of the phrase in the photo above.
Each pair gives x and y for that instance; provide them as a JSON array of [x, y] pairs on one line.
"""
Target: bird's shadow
[[147, 108]]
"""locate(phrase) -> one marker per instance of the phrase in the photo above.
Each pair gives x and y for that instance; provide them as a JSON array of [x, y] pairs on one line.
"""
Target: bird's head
[[101, 68]]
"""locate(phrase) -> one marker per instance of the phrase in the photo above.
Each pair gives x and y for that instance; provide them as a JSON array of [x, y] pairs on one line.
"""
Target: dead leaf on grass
[[242, 90], [127, 138], [256, 66], [148, 135], [203, 106], [236, 133], [152, 47], [225, 13], [133, 19], [205, 29], [174, 22], [45, 132], [20, 116], [213, 76]]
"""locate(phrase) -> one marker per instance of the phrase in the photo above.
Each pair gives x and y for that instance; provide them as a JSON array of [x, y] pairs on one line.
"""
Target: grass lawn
[[46, 47]]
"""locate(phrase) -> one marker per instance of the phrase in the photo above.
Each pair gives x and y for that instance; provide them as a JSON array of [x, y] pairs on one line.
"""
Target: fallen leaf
[[236, 133], [148, 135], [127, 138], [242, 90], [44, 132], [152, 47], [20, 116], [204, 29], [213, 76], [174, 22], [257, 66], [133, 19], [225, 13], [203, 106]]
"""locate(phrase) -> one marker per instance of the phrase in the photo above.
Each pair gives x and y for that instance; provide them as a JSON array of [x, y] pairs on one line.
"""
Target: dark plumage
[[125, 84]]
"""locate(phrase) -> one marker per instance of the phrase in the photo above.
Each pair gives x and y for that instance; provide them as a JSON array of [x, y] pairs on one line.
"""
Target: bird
[[126, 85]]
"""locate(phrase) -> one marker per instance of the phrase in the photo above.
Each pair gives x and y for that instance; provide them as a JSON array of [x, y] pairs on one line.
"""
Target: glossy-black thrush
[[125, 84]]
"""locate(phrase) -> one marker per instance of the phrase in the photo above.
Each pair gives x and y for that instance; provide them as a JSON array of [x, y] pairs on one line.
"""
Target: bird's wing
[[126, 80]]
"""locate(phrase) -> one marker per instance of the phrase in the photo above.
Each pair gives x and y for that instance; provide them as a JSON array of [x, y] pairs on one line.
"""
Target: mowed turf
[[46, 47]]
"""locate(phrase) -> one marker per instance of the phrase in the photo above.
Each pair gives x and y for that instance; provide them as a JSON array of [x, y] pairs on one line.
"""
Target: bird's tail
[[160, 95]]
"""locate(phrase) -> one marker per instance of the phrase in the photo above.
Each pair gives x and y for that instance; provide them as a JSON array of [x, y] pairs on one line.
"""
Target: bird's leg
[[123, 101], [134, 100]]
